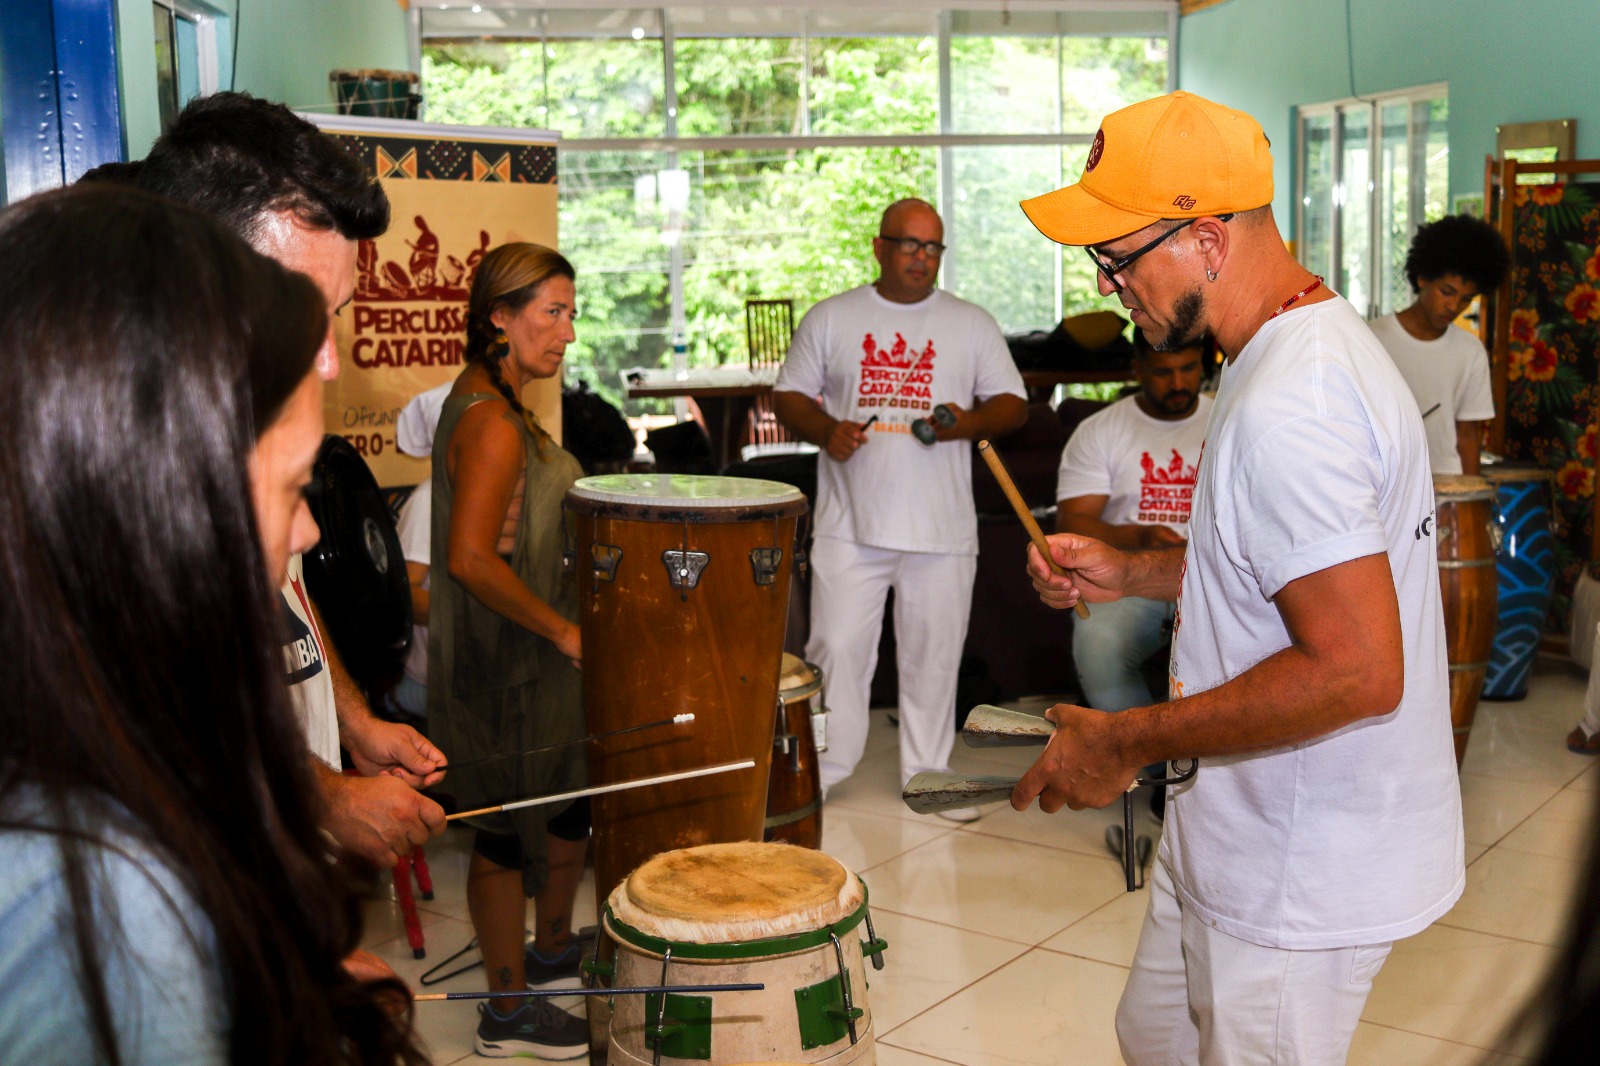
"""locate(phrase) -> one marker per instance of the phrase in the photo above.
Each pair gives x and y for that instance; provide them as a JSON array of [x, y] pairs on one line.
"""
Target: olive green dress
[[493, 686]]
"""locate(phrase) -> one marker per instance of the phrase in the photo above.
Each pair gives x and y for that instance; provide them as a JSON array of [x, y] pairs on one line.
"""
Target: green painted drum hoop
[[766, 947]]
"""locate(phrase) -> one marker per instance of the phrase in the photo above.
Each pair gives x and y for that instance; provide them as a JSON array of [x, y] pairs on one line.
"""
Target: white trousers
[[932, 597], [1197, 995]]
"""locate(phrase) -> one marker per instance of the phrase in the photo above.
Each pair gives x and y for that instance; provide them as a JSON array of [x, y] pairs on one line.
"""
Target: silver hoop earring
[[1211, 275]]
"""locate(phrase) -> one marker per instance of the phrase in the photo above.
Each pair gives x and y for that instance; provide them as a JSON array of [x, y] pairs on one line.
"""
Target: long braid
[[508, 277]]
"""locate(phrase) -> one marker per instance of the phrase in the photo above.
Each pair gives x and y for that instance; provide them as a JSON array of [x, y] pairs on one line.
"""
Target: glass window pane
[[1354, 198], [1396, 221], [166, 65], [874, 85], [1100, 75], [485, 83], [611, 231], [1004, 85], [1431, 118], [739, 85], [1316, 199]]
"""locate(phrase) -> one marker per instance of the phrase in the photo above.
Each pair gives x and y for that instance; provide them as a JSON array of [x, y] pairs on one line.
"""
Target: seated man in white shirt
[[1127, 478], [1450, 262]]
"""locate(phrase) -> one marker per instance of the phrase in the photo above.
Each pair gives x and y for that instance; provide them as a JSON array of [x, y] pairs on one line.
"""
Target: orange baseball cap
[[1176, 156]]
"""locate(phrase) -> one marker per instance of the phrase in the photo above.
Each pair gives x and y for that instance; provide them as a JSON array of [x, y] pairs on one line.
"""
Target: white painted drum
[[791, 919]]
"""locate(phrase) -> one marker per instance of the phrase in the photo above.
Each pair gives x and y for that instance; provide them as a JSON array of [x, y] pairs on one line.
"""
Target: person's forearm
[[1154, 574], [1289, 697], [349, 704], [804, 417], [491, 580], [1125, 537], [997, 416]]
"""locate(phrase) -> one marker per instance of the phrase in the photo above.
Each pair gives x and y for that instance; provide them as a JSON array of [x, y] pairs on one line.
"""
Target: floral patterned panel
[[1553, 369]]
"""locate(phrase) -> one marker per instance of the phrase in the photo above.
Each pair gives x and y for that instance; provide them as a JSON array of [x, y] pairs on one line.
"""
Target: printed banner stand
[[454, 193]]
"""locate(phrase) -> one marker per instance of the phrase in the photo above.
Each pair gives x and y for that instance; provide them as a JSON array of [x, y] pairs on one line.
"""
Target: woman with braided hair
[[503, 645]]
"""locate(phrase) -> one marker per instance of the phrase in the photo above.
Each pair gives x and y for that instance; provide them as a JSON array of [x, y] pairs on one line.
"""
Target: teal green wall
[[286, 48], [1505, 61]]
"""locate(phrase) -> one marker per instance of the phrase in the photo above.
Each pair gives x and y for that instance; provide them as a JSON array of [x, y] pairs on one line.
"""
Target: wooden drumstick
[[1035, 534], [557, 993], [618, 786]]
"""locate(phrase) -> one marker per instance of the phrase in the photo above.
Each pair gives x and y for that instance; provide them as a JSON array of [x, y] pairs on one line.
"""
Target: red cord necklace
[[1316, 280]]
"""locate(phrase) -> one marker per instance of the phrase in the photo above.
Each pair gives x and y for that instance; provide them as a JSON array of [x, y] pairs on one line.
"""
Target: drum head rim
[[683, 491], [758, 948]]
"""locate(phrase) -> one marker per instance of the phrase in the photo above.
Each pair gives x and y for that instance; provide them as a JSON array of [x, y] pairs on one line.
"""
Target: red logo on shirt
[[1166, 493], [900, 378]]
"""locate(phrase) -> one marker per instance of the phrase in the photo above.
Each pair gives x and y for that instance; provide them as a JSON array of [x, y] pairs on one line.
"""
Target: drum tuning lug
[[764, 564], [606, 558], [683, 567], [873, 947], [595, 968]]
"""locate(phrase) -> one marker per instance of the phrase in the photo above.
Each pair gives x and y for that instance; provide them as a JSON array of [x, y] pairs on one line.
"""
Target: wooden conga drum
[[1464, 531], [788, 918], [683, 589], [794, 788]]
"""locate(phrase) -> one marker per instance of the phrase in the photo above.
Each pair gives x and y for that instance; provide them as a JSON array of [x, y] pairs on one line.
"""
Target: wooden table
[[723, 408]]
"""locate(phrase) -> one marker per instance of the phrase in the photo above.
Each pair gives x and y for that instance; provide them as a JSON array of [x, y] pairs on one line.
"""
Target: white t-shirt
[[864, 356], [1452, 373], [1314, 456], [416, 538], [305, 658], [1144, 466]]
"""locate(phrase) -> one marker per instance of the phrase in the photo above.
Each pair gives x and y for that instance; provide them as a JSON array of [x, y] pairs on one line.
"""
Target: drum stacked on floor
[[1465, 534], [794, 788], [1525, 564], [788, 918]]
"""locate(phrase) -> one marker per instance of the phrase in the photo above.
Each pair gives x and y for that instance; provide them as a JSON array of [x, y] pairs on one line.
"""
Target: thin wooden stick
[[1035, 534], [704, 771], [677, 719], [556, 993]]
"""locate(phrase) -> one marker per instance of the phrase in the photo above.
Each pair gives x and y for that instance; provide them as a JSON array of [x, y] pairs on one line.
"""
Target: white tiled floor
[[1010, 937]]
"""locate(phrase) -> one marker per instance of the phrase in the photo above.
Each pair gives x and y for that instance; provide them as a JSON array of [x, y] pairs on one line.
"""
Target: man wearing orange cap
[[1308, 671]]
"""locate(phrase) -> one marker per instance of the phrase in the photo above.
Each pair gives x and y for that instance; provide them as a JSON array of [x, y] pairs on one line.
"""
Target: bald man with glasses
[[1307, 670], [891, 511]]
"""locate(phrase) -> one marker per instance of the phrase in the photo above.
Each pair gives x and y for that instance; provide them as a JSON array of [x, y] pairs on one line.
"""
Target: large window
[[1370, 172], [716, 154]]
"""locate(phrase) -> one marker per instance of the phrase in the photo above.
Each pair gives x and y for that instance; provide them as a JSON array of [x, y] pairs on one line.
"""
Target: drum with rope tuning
[[1465, 533]]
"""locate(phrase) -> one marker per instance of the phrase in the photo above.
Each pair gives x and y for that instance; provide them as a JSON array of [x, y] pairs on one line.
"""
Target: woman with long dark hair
[[165, 892], [503, 643]]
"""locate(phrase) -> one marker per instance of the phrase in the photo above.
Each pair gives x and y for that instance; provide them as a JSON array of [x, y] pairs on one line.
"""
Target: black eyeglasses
[[910, 245], [1109, 269]]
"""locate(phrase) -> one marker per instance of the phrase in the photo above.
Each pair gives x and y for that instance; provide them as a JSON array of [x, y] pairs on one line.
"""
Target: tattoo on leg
[[505, 975]]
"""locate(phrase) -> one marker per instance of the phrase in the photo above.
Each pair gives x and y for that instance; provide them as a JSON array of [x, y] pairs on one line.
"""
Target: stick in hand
[[1035, 534]]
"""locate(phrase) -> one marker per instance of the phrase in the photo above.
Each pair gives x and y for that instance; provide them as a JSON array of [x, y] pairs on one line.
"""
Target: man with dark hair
[[1127, 478], [1450, 262], [295, 195], [1307, 673]]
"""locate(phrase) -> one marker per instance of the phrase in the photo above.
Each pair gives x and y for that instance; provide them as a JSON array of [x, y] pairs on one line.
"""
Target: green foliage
[[791, 223]]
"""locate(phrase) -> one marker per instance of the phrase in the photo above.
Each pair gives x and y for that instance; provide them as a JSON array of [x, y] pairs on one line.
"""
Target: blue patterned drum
[[1526, 565]]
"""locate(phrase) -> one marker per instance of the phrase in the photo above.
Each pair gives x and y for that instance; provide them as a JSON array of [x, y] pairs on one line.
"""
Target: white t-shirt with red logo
[[864, 356], [1144, 466], [1315, 456]]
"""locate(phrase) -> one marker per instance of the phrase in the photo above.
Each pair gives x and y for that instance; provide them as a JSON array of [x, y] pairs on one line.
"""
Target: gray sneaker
[[564, 967], [539, 1030]]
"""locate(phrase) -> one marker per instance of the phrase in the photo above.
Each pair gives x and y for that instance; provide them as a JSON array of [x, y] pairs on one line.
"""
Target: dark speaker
[[356, 573]]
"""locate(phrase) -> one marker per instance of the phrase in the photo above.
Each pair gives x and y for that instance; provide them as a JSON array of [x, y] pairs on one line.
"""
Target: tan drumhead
[[1456, 488], [1503, 473], [798, 679], [716, 893]]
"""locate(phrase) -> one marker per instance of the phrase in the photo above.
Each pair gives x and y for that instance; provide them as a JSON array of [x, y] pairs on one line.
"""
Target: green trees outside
[[788, 222]]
